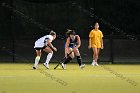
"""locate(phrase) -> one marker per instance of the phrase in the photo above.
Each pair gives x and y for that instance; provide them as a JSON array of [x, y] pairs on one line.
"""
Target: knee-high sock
[[79, 60], [49, 56], [37, 60], [67, 60]]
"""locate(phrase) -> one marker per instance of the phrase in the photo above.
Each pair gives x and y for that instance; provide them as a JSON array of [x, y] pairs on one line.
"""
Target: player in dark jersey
[[72, 44]]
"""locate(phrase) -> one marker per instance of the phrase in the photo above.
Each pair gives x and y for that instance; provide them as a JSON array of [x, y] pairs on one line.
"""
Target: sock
[[79, 60], [49, 56], [67, 60], [37, 60], [93, 61]]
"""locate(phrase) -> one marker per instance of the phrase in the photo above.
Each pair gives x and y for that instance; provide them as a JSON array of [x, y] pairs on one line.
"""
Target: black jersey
[[73, 42]]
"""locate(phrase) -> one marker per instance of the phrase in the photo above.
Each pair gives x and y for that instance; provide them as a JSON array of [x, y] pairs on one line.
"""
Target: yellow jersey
[[96, 38]]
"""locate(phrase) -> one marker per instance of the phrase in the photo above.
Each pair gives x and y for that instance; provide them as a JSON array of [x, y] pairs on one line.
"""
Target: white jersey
[[43, 41]]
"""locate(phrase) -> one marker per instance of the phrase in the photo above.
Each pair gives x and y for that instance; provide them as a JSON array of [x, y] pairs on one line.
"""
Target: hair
[[96, 23], [68, 33], [72, 32], [52, 33]]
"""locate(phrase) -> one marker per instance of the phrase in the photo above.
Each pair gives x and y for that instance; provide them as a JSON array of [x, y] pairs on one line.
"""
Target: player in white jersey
[[44, 43]]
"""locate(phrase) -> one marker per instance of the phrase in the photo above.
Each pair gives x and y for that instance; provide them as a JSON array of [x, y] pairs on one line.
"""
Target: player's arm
[[102, 42], [89, 46], [50, 45], [90, 36], [67, 44], [102, 45], [78, 42]]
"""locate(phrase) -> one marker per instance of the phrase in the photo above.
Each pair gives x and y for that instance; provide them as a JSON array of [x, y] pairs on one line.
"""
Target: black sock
[[79, 60], [67, 60]]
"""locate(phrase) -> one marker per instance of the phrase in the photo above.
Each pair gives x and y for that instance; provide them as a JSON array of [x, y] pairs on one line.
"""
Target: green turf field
[[20, 78]]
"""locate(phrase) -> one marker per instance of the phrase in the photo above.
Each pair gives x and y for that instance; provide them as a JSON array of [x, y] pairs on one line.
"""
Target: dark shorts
[[70, 46], [40, 48]]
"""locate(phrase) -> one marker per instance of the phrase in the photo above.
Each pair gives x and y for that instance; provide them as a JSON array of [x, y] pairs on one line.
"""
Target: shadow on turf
[[3, 92]]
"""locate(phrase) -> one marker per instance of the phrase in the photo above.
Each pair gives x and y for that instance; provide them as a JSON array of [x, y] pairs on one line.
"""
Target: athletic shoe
[[34, 67], [82, 66], [46, 65], [63, 66], [96, 64], [93, 64]]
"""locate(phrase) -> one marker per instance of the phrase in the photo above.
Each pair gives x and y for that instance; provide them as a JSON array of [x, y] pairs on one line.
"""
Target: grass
[[21, 78]]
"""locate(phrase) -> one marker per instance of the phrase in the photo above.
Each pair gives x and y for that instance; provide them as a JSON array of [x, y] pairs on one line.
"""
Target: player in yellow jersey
[[96, 43]]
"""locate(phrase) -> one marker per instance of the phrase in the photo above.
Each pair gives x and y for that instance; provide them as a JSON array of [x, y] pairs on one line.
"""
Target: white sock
[[49, 56], [36, 60], [93, 61]]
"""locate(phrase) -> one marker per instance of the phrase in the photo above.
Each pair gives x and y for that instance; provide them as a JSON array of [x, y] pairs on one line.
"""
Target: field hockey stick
[[60, 62]]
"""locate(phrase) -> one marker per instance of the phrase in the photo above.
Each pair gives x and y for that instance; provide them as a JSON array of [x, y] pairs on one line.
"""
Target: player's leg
[[69, 58], [95, 56], [77, 53], [49, 56], [98, 51], [37, 59]]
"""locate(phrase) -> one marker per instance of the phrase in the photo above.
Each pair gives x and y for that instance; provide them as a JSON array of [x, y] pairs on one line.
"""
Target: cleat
[[96, 64], [34, 68], [82, 66], [93, 64], [46, 65], [63, 66]]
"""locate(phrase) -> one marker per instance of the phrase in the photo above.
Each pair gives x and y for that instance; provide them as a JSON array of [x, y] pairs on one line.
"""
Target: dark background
[[24, 21]]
